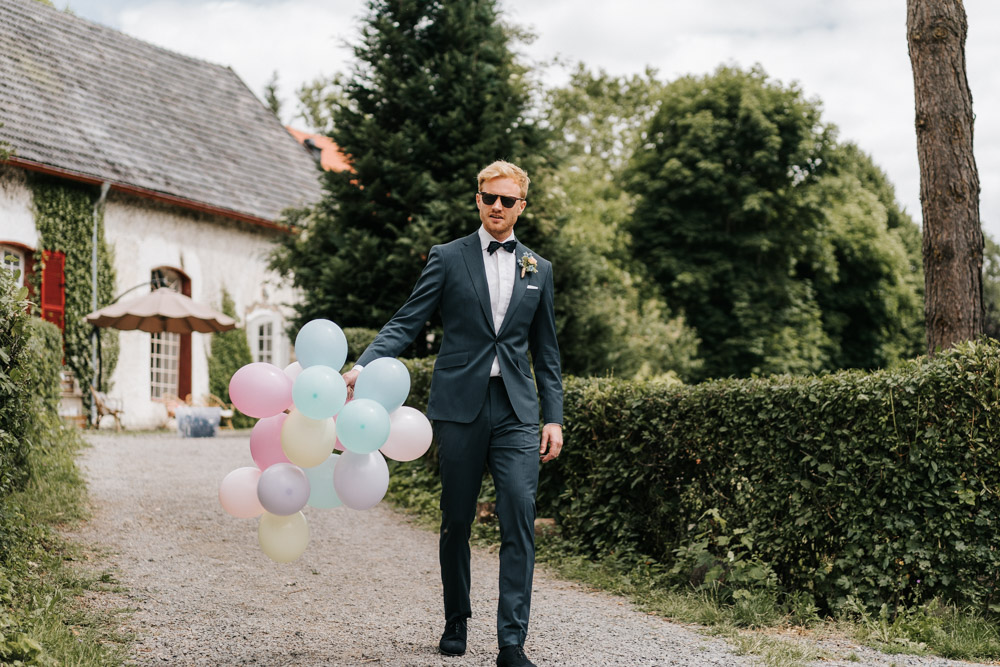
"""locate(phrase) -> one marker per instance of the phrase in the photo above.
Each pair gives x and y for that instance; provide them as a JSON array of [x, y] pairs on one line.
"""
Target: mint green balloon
[[363, 425], [322, 495], [319, 392]]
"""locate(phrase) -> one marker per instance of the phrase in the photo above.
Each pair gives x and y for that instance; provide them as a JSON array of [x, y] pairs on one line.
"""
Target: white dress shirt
[[500, 269]]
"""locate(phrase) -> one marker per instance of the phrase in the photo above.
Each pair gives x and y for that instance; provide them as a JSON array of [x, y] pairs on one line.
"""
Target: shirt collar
[[485, 237]]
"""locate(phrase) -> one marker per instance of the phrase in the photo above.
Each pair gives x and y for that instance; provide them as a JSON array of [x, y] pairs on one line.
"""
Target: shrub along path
[[366, 590]]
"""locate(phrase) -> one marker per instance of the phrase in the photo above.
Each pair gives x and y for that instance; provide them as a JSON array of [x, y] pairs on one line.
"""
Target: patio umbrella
[[162, 310]]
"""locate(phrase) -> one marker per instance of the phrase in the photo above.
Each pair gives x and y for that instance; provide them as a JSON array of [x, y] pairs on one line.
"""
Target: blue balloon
[[319, 392], [322, 495], [384, 380], [363, 426], [321, 343]]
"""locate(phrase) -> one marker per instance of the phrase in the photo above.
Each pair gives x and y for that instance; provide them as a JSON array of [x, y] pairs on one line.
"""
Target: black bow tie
[[509, 246]]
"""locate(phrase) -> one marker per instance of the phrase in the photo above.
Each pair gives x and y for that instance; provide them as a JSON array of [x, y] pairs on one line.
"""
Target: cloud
[[851, 54]]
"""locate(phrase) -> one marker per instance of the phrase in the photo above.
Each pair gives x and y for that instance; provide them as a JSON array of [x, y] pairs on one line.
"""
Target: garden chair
[[107, 406], [171, 402], [213, 401]]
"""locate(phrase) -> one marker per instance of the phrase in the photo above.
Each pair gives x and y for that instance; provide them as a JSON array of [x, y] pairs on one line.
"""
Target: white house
[[197, 172]]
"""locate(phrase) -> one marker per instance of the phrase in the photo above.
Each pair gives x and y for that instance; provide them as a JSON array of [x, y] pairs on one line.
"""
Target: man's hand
[[552, 442], [350, 377]]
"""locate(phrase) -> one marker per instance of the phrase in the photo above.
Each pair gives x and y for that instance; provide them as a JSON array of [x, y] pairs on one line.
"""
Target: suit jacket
[[454, 280]]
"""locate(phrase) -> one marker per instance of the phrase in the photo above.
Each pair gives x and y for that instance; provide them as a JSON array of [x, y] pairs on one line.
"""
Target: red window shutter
[[54, 287]]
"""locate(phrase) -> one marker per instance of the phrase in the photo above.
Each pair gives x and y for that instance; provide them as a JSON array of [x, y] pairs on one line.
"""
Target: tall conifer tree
[[433, 97]]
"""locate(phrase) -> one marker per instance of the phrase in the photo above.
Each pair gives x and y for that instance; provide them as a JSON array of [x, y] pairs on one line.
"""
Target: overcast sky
[[851, 54]]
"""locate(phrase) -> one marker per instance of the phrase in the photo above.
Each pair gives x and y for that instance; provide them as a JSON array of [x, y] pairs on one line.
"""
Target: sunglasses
[[508, 202]]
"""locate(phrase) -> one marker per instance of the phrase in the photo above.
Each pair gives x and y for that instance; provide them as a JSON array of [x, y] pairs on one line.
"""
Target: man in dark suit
[[495, 297]]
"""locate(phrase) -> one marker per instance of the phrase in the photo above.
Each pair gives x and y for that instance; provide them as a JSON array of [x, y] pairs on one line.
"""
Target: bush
[[30, 359], [358, 338], [876, 487], [229, 352], [881, 485]]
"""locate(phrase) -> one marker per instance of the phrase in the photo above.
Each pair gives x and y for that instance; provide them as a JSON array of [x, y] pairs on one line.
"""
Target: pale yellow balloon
[[283, 538], [307, 442]]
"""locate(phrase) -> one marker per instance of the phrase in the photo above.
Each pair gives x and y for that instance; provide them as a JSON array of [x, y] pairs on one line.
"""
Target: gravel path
[[366, 591]]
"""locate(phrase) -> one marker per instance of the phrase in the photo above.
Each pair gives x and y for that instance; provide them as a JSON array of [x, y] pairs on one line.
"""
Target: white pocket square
[[532, 286]]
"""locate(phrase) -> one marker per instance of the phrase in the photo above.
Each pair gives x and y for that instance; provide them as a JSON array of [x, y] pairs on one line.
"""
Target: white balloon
[[293, 369], [361, 480], [410, 434]]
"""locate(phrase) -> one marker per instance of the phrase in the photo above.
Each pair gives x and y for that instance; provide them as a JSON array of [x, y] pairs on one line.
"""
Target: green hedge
[[883, 487], [228, 353], [30, 360]]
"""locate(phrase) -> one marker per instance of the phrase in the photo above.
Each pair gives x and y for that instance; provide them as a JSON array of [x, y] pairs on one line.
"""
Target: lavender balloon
[[283, 489], [360, 480]]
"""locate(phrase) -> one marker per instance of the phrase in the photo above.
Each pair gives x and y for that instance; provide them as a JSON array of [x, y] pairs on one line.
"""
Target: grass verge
[[747, 619], [42, 618]]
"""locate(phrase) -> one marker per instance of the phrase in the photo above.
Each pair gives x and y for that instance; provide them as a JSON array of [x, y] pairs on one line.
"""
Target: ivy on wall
[[64, 218], [230, 352]]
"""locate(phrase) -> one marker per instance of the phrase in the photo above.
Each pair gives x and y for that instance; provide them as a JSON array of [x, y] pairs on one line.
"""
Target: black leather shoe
[[453, 640], [513, 656]]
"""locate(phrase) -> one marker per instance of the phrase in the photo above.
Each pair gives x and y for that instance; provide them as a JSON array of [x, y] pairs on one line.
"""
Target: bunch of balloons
[[312, 446]]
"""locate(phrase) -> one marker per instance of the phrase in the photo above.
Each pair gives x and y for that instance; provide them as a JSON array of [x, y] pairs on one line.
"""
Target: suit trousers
[[509, 447]]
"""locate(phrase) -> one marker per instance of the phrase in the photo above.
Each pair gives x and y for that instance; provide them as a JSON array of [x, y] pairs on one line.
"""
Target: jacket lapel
[[520, 287], [473, 256]]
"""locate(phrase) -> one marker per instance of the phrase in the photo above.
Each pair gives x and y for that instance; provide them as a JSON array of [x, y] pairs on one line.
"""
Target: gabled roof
[[87, 102]]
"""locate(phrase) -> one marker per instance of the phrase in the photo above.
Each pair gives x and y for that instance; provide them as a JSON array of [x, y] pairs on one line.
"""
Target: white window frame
[[165, 347], [5, 252], [278, 343], [265, 341], [164, 358]]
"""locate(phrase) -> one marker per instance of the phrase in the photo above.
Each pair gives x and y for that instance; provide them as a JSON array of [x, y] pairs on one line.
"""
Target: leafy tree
[[722, 218], [271, 95], [991, 288], [317, 100], [784, 250], [229, 352], [868, 273], [433, 97], [609, 315]]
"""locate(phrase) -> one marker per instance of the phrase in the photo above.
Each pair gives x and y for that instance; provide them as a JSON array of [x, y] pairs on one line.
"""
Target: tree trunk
[[949, 180]]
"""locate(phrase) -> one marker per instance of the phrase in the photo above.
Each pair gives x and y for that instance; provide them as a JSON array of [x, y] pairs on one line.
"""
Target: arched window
[[13, 260], [266, 337], [265, 342], [169, 353]]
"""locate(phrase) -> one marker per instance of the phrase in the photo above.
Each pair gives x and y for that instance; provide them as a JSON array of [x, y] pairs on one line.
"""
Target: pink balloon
[[265, 441], [339, 446], [260, 390], [410, 434], [238, 493], [361, 480]]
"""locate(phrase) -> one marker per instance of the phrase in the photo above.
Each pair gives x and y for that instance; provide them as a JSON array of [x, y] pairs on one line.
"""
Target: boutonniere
[[528, 264]]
